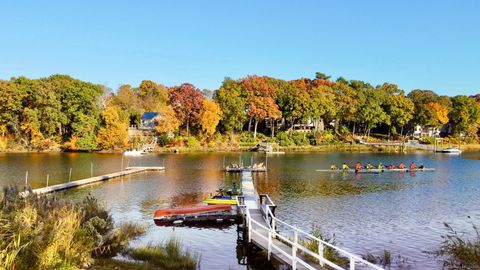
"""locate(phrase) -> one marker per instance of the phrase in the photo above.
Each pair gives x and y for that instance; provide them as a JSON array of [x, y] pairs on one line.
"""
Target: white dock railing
[[269, 233]]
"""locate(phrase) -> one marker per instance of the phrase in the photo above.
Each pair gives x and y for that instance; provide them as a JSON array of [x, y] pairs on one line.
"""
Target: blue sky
[[415, 44]]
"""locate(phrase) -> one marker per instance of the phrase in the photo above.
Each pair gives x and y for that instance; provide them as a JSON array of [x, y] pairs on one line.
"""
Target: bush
[[300, 139], [163, 139], [43, 232], [428, 140], [284, 139], [246, 139], [192, 142]]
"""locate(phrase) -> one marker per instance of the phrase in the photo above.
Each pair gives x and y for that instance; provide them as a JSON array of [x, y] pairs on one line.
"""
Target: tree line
[[60, 112]]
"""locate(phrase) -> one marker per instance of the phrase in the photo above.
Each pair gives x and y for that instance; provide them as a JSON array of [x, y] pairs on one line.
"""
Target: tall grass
[[459, 252], [44, 232], [169, 256]]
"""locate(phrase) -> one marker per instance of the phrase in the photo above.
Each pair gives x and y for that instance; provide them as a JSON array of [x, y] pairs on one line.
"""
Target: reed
[[458, 251]]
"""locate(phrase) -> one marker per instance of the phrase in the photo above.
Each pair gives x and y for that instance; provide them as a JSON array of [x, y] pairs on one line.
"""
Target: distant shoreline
[[357, 148]]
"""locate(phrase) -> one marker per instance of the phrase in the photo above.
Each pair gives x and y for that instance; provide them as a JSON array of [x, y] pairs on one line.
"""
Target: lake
[[400, 212]]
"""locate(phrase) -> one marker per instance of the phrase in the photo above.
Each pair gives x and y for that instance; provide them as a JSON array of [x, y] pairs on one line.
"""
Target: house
[[149, 120], [420, 132]]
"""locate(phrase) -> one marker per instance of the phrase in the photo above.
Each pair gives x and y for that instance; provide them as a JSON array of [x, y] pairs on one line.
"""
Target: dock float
[[92, 180]]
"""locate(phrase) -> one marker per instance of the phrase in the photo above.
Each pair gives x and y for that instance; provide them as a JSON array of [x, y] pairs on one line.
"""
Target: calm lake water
[[400, 212]]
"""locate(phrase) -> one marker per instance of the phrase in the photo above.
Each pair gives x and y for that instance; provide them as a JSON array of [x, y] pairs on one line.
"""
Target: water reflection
[[401, 212]]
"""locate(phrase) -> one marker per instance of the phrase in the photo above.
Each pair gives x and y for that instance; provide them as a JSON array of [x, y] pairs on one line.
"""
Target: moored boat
[[133, 153], [450, 150], [193, 214]]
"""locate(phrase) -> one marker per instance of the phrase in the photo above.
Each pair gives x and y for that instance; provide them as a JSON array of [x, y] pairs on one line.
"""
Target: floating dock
[[92, 180]]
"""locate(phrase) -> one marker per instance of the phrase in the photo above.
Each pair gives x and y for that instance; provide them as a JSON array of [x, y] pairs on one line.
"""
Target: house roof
[[149, 115]]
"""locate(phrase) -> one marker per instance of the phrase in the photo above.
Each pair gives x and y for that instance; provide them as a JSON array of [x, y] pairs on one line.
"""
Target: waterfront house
[[149, 120]]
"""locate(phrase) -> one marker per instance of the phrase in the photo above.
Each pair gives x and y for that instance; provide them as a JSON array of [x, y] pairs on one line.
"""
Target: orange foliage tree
[[210, 115], [439, 111], [114, 134], [168, 121]]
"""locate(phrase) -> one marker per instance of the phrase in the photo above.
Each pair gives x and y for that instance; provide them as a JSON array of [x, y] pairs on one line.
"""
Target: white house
[[149, 120], [421, 132]]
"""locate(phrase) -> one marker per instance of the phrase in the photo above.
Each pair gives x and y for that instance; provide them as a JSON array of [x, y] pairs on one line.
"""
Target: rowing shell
[[378, 170]]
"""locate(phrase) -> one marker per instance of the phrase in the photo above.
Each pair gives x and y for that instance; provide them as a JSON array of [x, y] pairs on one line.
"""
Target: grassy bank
[[45, 232]]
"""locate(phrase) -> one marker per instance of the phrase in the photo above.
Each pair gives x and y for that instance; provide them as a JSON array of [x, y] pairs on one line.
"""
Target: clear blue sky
[[416, 44]]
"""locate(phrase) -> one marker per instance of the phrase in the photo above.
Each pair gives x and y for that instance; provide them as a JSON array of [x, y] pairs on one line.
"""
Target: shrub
[[246, 139], [284, 139], [163, 139], [428, 140], [43, 232], [299, 138], [192, 142]]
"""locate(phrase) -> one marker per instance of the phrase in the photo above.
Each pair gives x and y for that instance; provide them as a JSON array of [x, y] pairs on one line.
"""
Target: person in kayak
[[333, 167], [380, 166], [412, 166], [401, 166], [369, 166], [358, 166], [345, 166]]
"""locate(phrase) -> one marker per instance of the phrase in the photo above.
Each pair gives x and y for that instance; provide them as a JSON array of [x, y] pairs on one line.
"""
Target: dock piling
[[26, 180], [48, 177], [91, 169], [70, 175]]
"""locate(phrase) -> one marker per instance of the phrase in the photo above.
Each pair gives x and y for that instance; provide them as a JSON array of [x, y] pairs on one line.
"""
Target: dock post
[[269, 245], [121, 169], [70, 175], [320, 253], [26, 180], [91, 169], [48, 177], [294, 248]]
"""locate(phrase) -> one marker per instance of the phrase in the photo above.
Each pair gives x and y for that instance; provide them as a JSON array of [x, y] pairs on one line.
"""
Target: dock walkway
[[91, 180], [287, 245]]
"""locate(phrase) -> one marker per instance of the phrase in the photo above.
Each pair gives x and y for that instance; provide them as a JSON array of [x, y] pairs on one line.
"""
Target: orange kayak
[[163, 216]]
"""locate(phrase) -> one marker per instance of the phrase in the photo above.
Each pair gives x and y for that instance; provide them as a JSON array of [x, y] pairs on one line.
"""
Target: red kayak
[[166, 216]]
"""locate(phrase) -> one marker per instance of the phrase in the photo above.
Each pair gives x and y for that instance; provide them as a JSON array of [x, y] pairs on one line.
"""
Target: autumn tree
[[232, 101], [397, 106], [152, 96], [114, 133], [261, 96], [440, 111], [167, 122], [186, 101], [210, 115]]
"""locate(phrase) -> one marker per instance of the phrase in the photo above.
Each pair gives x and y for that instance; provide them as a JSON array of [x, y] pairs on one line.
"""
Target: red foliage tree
[[186, 101]]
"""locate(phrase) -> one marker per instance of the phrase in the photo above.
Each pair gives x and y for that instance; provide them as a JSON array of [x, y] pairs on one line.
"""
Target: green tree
[[397, 106], [465, 115], [420, 99], [232, 102]]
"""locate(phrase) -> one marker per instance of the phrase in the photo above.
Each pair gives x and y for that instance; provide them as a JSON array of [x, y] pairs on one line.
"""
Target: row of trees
[[69, 113]]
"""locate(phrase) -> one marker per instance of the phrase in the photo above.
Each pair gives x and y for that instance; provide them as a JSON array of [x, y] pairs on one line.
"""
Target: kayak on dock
[[178, 216], [221, 199]]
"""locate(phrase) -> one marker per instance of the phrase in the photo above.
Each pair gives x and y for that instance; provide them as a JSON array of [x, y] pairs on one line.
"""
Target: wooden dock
[[283, 241], [92, 180]]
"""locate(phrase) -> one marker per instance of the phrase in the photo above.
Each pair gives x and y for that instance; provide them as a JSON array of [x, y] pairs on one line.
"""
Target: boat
[[221, 199], [384, 170], [177, 216], [133, 153], [450, 150]]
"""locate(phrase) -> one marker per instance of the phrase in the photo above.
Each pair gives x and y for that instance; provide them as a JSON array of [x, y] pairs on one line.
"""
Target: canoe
[[221, 200], [378, 170], [201, 213]]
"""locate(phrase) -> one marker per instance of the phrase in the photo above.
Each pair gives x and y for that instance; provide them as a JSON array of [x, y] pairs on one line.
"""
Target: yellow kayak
[[221, 200]]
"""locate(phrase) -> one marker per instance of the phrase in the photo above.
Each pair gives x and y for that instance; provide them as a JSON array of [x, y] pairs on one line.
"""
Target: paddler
[[369, 166], [345, 166], [380, 166], [358, 166], [412, 166], [401, 166], [333, 167]]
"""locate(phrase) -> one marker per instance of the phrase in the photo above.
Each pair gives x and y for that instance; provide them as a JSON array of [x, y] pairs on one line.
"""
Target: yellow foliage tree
[[114, 135], [210, 115], [439, 111], [168, 121]]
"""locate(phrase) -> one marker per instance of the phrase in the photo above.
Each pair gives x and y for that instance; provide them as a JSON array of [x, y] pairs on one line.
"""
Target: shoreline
[[357, 148]]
